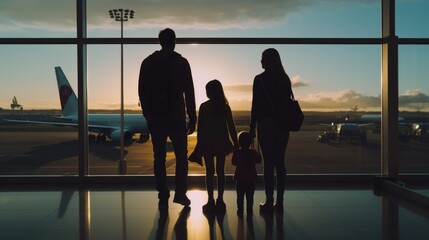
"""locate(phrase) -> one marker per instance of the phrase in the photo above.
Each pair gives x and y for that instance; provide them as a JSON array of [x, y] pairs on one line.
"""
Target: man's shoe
[[240, 212], [184, 200]]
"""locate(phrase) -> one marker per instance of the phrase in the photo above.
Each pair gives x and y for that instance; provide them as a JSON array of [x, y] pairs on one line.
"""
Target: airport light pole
[[122, 15]]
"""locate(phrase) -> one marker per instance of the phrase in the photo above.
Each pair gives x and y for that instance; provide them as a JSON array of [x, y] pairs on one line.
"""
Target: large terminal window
[[330, 49], [35, 140], [336, 85]]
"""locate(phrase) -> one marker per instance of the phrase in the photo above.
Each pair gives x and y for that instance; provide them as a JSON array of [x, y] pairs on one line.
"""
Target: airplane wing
[[365, 124], [40, 122], [326, 124], [92, 128]]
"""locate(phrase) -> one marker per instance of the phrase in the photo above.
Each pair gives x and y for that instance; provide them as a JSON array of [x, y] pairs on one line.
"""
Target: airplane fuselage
[[132, 122]]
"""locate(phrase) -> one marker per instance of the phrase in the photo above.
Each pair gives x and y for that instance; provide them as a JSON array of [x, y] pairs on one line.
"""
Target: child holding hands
[[245, 172], [216, 129]]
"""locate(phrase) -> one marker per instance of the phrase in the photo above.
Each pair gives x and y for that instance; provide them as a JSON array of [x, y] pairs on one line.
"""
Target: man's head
[[167, 38]]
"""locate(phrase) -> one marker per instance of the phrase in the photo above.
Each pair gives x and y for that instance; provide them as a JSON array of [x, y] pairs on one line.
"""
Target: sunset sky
[[325, 77]]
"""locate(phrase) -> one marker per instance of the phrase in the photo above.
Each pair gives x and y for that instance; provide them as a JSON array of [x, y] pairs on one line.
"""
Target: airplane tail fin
[[67, 96]]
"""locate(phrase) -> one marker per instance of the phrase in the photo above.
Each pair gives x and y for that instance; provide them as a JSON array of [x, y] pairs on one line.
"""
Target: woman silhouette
[[271, 89]]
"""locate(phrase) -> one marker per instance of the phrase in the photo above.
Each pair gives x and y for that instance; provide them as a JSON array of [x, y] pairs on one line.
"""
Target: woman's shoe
[[266, 207]]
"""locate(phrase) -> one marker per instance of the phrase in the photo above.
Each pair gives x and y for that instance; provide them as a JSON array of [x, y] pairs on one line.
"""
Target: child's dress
[[213, 132]]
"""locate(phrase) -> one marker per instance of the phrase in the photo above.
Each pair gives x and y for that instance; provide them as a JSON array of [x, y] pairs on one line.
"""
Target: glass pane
[[32, 141], [412, 18], [413, 109], [271, 18], [104, 101], [331, 83], [37, 18]]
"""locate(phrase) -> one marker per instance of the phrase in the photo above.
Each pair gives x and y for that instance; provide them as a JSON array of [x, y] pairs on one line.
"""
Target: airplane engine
[[144, 137], [116, 136]]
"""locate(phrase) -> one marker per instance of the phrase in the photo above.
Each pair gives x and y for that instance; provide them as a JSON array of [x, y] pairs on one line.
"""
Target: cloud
[[414, 100], [244, 88], [411, 100], [297, 82], [189, 13], [206, 14], [344, 99], [247, 88]]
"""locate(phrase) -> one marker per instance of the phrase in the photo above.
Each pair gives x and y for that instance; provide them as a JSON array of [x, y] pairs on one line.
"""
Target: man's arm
[[189, 97], [142, 83], [254, 110]]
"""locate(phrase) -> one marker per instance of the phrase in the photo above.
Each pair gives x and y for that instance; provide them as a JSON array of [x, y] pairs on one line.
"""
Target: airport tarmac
[[55, 152]]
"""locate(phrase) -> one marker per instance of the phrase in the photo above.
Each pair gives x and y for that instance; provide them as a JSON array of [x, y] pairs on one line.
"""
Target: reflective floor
[[133, 214]]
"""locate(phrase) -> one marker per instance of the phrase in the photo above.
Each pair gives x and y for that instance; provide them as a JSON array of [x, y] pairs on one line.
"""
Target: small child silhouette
[[245, 175]]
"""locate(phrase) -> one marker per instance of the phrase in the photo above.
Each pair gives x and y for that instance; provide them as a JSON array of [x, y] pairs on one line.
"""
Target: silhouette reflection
[[269, 224], [181, 228], [241, 233], [162, 224], [219, 217]]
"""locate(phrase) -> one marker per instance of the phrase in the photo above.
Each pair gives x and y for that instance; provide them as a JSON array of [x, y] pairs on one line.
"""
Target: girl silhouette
[[216, 129]]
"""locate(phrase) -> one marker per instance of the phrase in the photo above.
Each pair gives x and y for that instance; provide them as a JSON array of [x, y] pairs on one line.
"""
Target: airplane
[[348, 129], [345, 131], [106, 125], [364, 122]]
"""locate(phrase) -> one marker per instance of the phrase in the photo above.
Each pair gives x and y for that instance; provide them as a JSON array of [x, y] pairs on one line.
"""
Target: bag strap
[[268, 96], [266, 93]]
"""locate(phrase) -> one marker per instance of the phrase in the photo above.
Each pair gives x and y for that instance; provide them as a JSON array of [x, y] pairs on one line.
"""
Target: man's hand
[[191, 126], [252, 134]]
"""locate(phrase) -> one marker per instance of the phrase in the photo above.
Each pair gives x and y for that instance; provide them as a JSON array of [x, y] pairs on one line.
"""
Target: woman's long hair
[[272, 64], [215, 93]]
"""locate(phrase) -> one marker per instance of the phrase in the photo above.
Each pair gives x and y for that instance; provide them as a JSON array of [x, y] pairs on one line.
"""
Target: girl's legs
[[209, 160], [220, 172]]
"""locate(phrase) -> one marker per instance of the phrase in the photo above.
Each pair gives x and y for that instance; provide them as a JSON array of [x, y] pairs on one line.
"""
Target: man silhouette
[[167, 95]]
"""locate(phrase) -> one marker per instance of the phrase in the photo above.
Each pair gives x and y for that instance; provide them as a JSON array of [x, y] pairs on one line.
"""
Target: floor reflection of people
[[241, 232], [223, 225], [211, 218], [269, 224], [250, 229], [162, 228], [219, 216], [279, 226], [181, 228]]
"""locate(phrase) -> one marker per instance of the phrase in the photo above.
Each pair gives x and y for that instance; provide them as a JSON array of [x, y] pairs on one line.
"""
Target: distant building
[[15, 104]]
